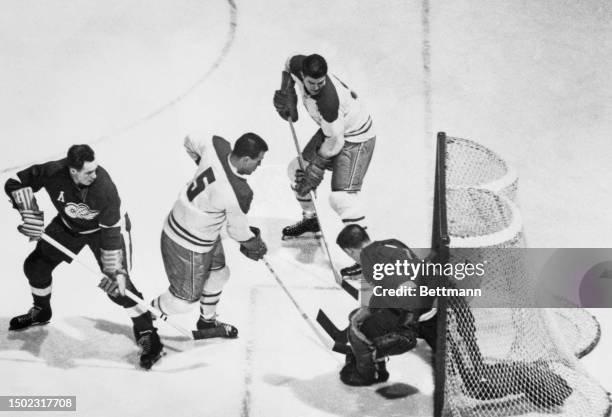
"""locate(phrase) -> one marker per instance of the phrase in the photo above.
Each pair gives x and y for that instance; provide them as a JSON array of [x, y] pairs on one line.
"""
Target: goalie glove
[[254, 248], [396, 342], [285, 99], [115, 279], [403, 338]]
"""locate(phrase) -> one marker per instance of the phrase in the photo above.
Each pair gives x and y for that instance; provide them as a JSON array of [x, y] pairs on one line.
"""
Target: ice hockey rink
[[529, 79]]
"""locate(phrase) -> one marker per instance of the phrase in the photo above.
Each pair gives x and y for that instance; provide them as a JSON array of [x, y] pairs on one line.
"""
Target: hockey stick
[[128, 293], [297, 306], [353, 292], [340, 337]]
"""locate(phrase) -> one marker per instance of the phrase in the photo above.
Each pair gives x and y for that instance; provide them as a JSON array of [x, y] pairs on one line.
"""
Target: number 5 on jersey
[[199, 184]]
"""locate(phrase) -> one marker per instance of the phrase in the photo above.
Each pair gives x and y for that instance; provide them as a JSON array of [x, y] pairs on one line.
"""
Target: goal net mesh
[[501, 361]]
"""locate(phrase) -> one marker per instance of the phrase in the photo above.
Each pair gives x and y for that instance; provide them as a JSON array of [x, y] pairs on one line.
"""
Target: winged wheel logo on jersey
[[80, 211]]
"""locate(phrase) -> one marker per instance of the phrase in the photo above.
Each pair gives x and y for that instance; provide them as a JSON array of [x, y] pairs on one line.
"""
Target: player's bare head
[[81, 161], [352, 239], [314, 66], [248, 152], [314, 71]]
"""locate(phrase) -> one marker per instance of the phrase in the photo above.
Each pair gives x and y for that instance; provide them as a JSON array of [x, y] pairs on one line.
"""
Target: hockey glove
[[309, 179], [254, 248], [33, 218], [33, 224], [23, 199], [285, 99], [114, 283]]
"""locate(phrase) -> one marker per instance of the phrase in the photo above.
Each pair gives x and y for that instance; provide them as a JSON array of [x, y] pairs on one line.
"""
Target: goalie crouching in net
[[385, 327]]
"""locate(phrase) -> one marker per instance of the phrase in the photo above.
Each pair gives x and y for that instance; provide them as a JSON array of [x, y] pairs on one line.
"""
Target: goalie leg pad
[[363, 368]]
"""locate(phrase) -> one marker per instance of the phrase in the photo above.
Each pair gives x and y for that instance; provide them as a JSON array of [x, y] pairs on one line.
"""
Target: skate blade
[[304, 236], [211, 334], [42, 323]]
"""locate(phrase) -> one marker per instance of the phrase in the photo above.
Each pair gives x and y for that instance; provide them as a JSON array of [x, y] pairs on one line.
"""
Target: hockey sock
[[306, 204], [42, 297], [208, 305], [349, 207]]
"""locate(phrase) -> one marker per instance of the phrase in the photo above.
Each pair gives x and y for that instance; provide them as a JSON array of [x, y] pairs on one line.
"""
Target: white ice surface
[[531, 80]]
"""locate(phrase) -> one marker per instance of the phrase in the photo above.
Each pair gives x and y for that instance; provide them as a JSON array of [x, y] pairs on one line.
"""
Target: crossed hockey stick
[[161, 316]]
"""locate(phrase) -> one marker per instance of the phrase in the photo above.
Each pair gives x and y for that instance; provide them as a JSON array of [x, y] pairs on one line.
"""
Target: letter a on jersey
[[61, 197]]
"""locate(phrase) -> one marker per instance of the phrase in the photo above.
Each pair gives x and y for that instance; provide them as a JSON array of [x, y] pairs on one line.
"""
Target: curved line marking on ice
[[226, 47]]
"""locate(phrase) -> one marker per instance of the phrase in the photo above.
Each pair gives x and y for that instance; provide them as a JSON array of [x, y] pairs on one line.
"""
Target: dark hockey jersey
[[387, 252], [82, 209]]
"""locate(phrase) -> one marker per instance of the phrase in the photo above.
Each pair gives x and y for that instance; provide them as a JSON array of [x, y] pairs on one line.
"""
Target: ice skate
[[214, 328], [152, 348], [34, 317], [307, 227]]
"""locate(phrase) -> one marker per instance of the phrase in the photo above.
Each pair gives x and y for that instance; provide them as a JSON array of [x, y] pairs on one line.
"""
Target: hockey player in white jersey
[[344, 143], [191, 246]]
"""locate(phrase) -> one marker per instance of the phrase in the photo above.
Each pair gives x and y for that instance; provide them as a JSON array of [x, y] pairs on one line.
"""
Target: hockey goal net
[[501, 361]]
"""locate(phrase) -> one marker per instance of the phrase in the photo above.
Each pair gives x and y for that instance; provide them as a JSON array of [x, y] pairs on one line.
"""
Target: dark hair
[[314, 66], [250, 145], [78, 155], [352, 236]]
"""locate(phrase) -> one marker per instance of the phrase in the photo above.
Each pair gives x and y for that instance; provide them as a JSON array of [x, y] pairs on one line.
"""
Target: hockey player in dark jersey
[[88, 214], [388, 325], [343, 144]]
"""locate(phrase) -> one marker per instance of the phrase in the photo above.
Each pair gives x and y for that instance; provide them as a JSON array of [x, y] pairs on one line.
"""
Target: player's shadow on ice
[[327, 393], [67, 342], [303, 250]]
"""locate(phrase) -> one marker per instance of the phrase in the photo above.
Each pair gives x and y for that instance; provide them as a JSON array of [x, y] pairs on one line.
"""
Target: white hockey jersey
[[336, 108], [216, 194]]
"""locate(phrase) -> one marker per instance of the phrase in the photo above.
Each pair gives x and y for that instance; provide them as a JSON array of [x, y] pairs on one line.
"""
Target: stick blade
[[352, 291]]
